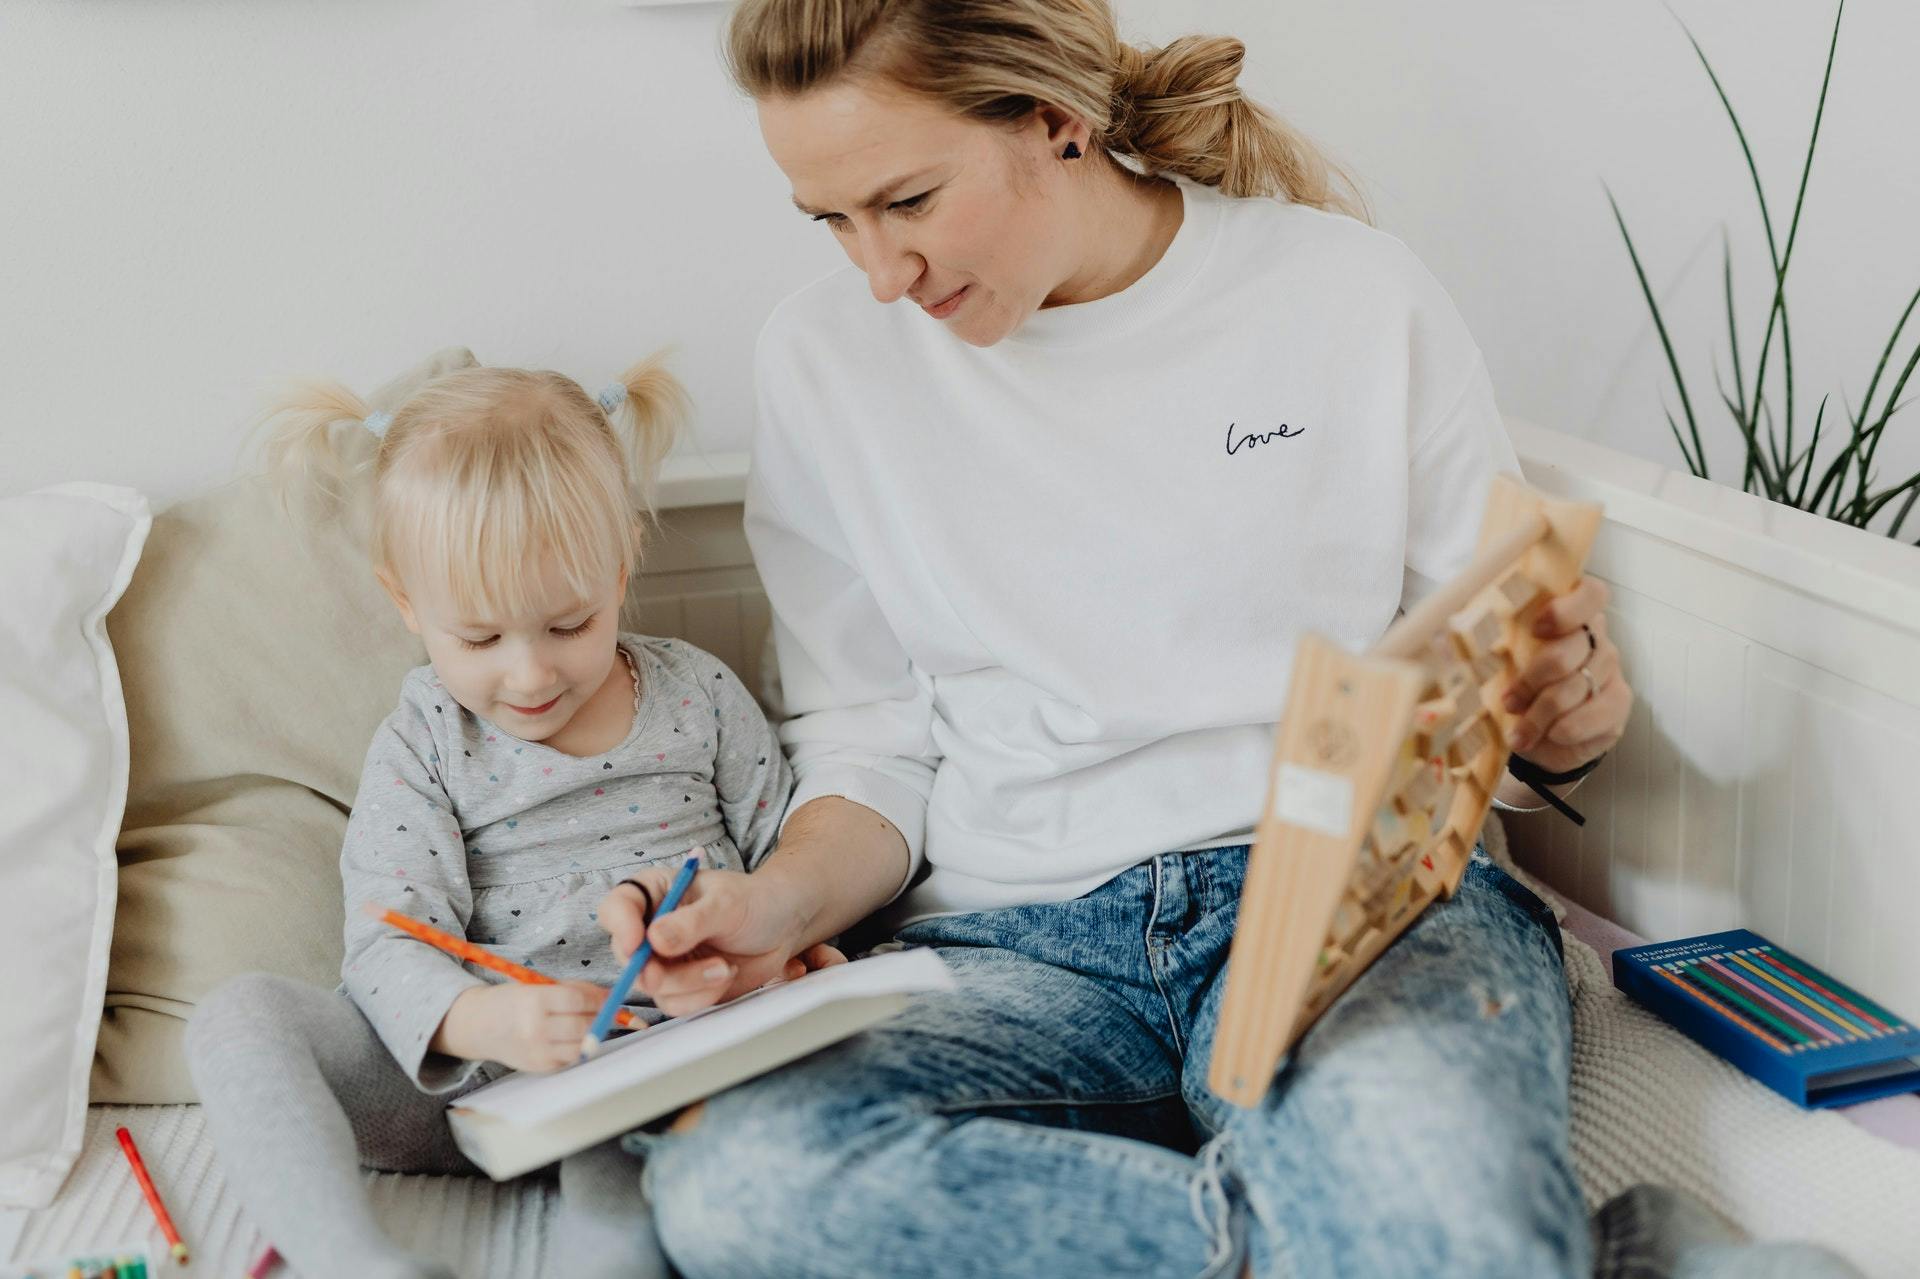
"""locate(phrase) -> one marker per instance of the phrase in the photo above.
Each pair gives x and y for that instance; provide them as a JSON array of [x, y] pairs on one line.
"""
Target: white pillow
[[66, 554]]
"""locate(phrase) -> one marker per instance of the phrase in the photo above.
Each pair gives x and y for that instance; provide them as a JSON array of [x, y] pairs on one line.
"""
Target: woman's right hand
[[731, 933]]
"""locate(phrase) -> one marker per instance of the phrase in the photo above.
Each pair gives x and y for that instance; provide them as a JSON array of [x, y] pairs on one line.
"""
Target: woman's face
[[966, 220]]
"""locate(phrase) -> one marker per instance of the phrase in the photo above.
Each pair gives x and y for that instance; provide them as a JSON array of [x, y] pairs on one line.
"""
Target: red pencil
[[268, 1260], [461, 948], [174, 1245]]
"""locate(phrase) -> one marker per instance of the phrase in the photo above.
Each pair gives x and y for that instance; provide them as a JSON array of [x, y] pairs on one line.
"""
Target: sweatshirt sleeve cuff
[[408, 1021], [893, 799]]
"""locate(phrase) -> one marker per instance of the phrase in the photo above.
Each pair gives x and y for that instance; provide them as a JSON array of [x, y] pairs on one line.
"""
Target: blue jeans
[[1051, 1117]]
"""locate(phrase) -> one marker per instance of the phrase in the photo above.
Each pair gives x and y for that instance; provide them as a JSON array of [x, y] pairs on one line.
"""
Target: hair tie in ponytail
[[612, 396], [378, 423]]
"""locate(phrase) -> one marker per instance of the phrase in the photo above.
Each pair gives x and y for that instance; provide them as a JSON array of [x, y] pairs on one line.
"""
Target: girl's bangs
[[496, 548]]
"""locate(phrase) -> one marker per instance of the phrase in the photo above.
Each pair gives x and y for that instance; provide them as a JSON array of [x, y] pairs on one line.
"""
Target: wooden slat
[[1297, 872], [713, 623], [1407, 637]]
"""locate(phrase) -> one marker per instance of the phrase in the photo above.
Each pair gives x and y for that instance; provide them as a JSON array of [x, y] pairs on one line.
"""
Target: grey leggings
[[300, 1095]]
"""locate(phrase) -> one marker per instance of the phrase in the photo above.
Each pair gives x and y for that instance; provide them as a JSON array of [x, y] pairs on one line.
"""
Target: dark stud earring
[[1072, 152]]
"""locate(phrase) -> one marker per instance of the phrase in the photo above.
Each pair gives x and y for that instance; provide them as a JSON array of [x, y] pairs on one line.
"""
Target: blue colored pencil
[[603, 1021]]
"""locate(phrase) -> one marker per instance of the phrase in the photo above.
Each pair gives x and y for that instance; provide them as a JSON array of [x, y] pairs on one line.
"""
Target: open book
[[525, 1121]]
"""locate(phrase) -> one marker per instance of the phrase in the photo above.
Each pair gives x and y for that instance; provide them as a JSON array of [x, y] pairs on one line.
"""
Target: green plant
[[1845, 490]]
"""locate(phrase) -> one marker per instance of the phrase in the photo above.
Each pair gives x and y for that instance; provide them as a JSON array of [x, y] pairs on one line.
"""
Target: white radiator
[[698, 583], [1770, 775]]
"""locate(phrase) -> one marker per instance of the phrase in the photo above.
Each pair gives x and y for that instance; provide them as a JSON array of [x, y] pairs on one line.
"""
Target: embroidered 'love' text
[[1250, 439]]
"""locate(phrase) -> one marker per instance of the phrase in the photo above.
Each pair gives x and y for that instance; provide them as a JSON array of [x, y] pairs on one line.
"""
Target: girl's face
[[530, 674], [971, 222]]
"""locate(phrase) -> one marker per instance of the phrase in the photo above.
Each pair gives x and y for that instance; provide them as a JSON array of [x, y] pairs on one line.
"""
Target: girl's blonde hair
[[1173, 110], [484, 477]]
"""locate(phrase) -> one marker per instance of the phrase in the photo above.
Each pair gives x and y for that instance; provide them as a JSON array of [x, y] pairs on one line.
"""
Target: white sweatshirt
[[1036, 604]]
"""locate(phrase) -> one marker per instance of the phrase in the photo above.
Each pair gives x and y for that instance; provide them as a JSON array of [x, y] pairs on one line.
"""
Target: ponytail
[[658, 408], [303, 455], [1180, 110]]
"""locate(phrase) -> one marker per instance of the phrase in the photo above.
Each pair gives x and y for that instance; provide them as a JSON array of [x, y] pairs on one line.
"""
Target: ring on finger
[[1593, 686], [647, 914]]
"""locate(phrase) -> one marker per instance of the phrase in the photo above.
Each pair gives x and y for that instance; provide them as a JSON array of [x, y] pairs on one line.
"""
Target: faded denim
[[1051, 1117]]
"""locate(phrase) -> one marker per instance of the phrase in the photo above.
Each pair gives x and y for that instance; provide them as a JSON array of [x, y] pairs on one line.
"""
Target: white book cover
[[525, 1121]]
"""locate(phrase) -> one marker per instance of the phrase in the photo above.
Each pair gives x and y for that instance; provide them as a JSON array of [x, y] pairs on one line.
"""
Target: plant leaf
[[1733, 328], [1892, 341], [1806, 475], [1681, 441], [1666, 343], [1893, 396], [1879, 500], [1893, 402], [1901, 517], [1780, 260], [1773, 485]]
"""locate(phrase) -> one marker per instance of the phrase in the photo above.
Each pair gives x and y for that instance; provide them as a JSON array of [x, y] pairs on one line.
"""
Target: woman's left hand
[[1571, 697]]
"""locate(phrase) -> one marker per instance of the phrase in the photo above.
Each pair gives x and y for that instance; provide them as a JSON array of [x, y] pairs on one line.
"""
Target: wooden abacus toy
[[1385, 767]]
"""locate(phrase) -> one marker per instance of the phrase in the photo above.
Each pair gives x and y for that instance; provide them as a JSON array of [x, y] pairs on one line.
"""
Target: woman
[[1039, 535]]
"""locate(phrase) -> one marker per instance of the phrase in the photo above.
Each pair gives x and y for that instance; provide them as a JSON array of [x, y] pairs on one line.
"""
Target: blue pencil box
[[1810, 1038]]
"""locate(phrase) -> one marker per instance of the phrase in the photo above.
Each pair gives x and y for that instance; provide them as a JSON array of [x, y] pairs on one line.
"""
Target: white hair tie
[[612, 396], [378, 423]]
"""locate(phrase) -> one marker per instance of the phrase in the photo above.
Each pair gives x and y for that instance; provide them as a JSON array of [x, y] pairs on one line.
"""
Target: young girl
[[541, 759]]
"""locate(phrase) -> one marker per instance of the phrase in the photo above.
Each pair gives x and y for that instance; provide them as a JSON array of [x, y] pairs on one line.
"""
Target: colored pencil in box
[[1813, 999], [1856, 1027], [1869, 1005], [178, 1249], [1699, 975], [1878, 1026], [461, 948], [1733, 973], [1702, 996]]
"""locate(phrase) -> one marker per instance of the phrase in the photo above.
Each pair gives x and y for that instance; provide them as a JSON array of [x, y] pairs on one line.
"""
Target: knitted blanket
[[479, 1227], [1650, 1105]]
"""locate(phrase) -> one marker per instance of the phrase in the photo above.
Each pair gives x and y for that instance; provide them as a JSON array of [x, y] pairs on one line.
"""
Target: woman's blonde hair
[[1173, 110], [484, 477]]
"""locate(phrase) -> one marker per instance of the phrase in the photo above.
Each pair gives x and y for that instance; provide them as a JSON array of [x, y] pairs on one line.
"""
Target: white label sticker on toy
[[1308, 797]]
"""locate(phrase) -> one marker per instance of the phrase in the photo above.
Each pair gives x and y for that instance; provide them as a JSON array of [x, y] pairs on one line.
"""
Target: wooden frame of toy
[[1386, 764]]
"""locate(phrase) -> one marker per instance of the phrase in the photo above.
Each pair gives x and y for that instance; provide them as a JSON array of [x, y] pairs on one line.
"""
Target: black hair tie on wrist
[[646, 916], [1538, 779]]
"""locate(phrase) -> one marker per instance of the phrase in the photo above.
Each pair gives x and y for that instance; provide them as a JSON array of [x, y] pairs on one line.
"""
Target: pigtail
[[658, 408], [303, 456]]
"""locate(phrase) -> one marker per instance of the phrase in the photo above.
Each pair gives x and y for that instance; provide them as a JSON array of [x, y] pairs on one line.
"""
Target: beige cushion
[[258, 655]]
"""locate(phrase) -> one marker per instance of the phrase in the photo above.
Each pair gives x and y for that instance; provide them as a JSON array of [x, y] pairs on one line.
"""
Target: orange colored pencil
[[461, 948], [174, 1245]]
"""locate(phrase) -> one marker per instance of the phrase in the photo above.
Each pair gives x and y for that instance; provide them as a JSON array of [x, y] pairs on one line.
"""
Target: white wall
[[195, 195]]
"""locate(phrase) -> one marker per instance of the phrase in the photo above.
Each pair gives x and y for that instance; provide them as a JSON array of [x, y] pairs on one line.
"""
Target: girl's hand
[[730, 934], [536, 1028], [1567, 718]]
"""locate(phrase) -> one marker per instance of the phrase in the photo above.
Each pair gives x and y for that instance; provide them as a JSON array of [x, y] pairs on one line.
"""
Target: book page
[[635, 1058]]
